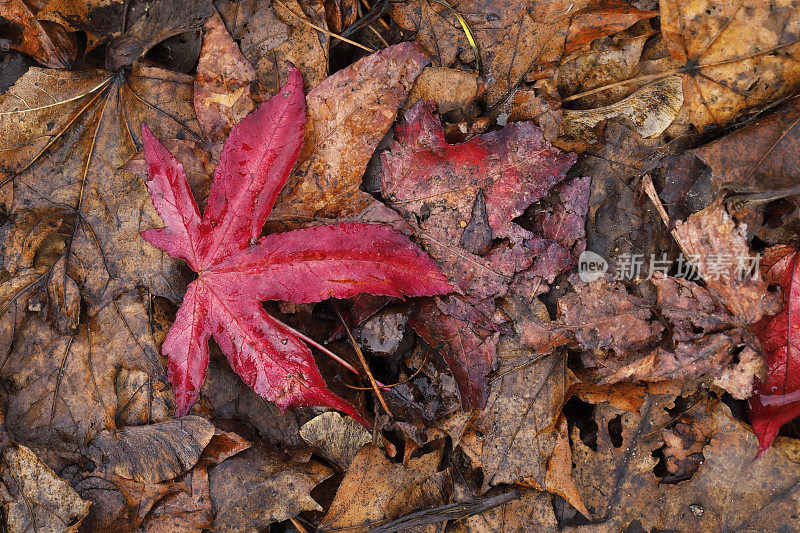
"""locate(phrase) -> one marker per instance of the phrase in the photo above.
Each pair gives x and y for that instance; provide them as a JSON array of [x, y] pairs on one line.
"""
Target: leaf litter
[[447, 192]]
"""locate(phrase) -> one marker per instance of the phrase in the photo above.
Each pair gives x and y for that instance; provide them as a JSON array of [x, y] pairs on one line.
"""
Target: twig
[[323, 30], [361, 358], [443, 513]]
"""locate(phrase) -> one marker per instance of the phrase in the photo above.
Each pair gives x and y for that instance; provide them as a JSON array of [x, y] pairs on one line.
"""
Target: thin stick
[[321, 348], [381, 21], [361, 358], [323, 30]]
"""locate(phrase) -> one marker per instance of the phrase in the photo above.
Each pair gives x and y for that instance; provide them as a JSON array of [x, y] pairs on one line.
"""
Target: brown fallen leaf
[[516, 39], [454, 91], [340, 14], [756, 163], [33, 497], [260, 486], [269, 36], [49, 43], [518, 437], [738, 55], [720, 250], [64, 154], [619, 485], [99, 19], [375, 490], [336, 437], [348, 115], [532, 510], [62, 387], [222, 83], [129, 452]]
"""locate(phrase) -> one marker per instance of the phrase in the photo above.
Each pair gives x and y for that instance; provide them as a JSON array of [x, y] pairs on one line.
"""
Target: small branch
[[453, 511], [361, 358]]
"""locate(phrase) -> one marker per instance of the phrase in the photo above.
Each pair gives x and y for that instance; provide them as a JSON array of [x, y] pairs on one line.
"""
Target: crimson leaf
[[237, 269]]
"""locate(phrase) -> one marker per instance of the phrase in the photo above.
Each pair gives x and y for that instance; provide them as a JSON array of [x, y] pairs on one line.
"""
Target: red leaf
[[774, 403], [236, 270]]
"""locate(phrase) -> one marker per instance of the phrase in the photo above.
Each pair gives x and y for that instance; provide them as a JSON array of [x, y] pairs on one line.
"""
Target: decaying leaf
[[738, 55], [730, 487], [348, 115], [517, 39], [50, 44], [462, 198], [269, 36], [651, 109], [222, 83], [375, 490], [33, 497], [337, 438], [260, 486]]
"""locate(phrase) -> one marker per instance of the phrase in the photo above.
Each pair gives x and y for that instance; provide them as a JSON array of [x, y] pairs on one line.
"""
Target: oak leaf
[[237, 269]]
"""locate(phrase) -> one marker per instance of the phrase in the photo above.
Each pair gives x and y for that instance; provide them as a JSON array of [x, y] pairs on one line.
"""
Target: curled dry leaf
[[651, 109], [129, 452], [237, 269], [756, 163], [33, 497], [62, 387]]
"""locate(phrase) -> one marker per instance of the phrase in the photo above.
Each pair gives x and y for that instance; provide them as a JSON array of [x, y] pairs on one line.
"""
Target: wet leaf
[[260, 486], [738, 56], [516, 39], [305, 265], [337, 438], [34, 498], [48, 43], [462, 200], [348, 115], [375, 490]]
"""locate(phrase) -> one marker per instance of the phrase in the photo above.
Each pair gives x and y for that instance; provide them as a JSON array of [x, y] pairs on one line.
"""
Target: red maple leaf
[[777, 401], [237, 269]]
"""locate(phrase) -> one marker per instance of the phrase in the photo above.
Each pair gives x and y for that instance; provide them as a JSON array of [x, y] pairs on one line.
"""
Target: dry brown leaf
[[222, 83], [100, 19], [738, 55], [375, 490], [34, 498], [348, 115], [260, 486], [337, 438], [731, 489]]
